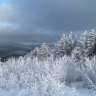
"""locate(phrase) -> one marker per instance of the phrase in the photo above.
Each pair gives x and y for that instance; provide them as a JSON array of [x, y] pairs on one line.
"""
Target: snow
[[64, 91], [30, 77], [41, 73], [8, 93]]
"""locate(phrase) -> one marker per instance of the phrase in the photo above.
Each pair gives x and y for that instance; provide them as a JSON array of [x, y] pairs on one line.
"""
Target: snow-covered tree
[[86, 44], [85, 47], [69, 44], [63, 46], [74, 42], [44, 51], [60, 47], [90, 43], [79, 50]]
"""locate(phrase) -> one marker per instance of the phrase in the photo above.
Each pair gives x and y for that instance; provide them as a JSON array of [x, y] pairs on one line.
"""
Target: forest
[[66, 69]]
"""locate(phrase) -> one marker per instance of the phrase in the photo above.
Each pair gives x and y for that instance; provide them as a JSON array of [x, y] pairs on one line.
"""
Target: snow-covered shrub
[[2, 80], [35, 52], [25, 72], [72, 73], [89, 73]]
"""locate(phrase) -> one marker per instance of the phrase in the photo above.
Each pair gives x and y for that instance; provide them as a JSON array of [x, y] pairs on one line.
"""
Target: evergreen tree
[[60, 47], [63, 46], [85, 46], [79, 50], [69, 44], [90, 43], [44, 51], [74, 42]]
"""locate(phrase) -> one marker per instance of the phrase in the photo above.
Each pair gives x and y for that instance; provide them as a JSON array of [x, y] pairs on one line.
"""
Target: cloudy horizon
[[40, 21]]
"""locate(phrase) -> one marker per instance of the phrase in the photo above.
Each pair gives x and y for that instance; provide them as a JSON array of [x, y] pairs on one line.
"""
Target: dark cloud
[[47, 20]]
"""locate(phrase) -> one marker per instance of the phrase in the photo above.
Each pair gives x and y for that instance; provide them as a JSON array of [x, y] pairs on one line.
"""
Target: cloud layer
[[43, 20]]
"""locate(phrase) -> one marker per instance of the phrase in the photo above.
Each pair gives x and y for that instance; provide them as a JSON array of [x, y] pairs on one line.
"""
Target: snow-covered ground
[[30, 77], [64, 91]]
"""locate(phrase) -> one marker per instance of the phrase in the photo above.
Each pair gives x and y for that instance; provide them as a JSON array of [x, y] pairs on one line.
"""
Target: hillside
[[13, 49]]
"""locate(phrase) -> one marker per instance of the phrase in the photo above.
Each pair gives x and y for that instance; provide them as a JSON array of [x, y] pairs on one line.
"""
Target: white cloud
[[7, 18], [8, 26], [7, 12]]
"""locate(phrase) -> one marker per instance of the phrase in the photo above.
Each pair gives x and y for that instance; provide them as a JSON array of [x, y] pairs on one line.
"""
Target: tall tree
[[44, 51], [63, 46], [90, 43], [69, 44], [60, 47]]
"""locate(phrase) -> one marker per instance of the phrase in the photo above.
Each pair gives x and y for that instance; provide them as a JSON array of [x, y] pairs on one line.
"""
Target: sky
[[38, 21]]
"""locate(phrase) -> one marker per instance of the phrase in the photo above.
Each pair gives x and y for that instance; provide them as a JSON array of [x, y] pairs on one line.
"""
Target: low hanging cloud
[[45, 20]]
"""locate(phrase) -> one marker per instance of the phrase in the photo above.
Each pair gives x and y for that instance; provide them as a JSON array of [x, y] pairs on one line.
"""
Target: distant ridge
[[11, 48]]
